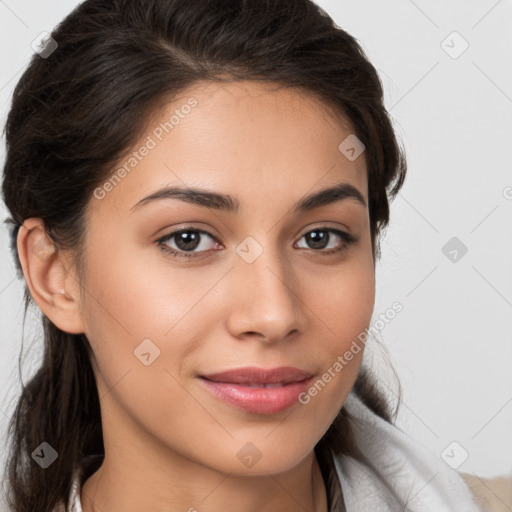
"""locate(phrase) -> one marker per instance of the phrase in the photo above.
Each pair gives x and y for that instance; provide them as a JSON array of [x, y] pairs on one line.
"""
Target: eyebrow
[[227, 203]]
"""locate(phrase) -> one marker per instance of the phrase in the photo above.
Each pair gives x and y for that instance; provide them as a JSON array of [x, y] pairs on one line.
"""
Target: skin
[[169, 443]]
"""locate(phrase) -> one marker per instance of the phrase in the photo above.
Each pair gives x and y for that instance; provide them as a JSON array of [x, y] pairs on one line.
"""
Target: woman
[[197, 191]]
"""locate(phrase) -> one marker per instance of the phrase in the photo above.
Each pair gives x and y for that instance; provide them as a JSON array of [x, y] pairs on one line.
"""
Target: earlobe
[[52, 286]]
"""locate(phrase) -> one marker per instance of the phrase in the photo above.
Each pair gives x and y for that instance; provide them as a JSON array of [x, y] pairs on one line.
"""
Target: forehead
[[247, 139]]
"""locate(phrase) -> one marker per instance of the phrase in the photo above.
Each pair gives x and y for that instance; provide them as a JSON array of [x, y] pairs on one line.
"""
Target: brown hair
[[75, 112]]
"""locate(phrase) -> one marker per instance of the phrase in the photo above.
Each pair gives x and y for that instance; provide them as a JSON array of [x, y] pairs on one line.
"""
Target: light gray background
[[451, 344]]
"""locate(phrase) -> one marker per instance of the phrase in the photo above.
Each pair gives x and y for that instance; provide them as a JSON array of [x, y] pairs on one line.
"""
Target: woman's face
[[262, 288]]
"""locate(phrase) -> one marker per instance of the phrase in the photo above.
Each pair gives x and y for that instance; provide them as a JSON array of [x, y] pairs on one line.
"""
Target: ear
[[48, 275]]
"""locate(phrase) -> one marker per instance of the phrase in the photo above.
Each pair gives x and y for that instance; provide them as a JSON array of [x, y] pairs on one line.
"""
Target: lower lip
[[258, 400]]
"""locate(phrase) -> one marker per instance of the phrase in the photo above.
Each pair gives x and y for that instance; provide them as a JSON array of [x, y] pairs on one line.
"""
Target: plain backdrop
[[446, 67]]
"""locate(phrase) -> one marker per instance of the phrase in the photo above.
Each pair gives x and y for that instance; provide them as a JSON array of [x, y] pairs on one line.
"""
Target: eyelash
[[347, 238]]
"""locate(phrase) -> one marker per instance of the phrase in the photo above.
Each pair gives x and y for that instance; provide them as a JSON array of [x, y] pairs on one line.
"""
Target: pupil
[[317, 241], [190, 240]]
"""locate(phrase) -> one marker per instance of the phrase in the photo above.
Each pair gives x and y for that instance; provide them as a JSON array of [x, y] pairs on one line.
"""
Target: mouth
[[257, 390], [252, 375]]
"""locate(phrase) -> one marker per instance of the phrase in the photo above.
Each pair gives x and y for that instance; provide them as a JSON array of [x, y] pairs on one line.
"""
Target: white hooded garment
[[403, 475]]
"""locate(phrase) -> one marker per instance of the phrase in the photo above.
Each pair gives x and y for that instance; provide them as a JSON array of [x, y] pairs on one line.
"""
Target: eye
[[187, 240], [319, 238]]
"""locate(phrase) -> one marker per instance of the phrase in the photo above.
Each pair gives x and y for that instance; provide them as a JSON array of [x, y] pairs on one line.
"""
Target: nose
[[266, 304]]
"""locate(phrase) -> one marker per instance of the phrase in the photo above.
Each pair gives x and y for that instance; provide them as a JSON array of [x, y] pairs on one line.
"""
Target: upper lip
[[255, 375]]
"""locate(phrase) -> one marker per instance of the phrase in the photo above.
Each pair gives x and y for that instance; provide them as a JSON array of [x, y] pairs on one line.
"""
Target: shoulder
[[493, 494]]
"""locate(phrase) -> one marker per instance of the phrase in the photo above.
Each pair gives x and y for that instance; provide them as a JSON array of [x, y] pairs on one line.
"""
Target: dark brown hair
[[77, 111]]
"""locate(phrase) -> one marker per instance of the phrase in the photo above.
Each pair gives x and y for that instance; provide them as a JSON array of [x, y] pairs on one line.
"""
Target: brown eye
[[186, 241], [319, 239]]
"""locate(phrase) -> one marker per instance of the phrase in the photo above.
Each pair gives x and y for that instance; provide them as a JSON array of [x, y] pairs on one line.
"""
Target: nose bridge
[[267, 302]]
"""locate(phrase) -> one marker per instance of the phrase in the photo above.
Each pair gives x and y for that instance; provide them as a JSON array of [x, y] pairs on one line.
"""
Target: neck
[[119, 486]]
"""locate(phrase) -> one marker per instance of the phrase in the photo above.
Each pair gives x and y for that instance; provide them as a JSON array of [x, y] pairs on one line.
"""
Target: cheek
[[147, 320], [349, 306], [344, 301], [132, 294], [143, 322]]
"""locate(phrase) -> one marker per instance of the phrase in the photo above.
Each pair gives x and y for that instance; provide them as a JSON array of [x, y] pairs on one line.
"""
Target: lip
[[245, 387]]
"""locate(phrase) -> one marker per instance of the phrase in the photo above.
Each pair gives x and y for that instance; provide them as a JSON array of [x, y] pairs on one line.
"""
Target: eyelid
[[326, 224], [199, 226]]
